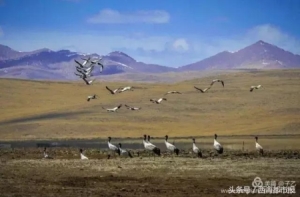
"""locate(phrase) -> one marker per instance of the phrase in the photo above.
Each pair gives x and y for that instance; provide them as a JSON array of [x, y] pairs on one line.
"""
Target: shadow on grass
[[47, 116]]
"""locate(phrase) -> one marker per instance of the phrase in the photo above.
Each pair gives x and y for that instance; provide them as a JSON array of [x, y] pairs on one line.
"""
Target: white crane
[[112, 91], [82, 156], [196, 150], [113, 109], [218, 147], [112, 147], [173, 92], [46, 156], [255, 87], [132, 108], [158, 101], [170, 146], [217, 80], [91, 97], [204, 90], [124, 152], [258, 147]]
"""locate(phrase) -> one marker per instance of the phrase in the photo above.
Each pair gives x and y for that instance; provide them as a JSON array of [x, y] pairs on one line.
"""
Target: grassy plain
[[59, 110]]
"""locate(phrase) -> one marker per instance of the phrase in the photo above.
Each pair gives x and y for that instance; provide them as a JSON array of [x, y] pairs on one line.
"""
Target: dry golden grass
[[47, 110]]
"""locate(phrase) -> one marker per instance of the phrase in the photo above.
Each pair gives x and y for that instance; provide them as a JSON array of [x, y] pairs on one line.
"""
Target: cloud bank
[[109, 16]]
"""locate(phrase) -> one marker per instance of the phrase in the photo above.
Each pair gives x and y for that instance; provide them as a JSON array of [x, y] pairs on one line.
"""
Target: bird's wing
[[251, 89], [198, 89], [109, 90], [119, 106], [79, 63], [222, 82]]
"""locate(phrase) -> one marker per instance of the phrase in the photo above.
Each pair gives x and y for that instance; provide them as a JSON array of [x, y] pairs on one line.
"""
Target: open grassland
[[66, 175], [59, 110]]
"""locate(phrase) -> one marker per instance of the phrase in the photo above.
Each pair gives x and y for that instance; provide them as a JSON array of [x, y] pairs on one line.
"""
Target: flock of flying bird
[[84, 71]]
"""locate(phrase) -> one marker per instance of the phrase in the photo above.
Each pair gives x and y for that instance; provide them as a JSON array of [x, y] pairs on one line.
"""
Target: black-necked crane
[[91, 97], [218, 147], [258, 147], [158, 101], [173, 92], [255, 87], [112, 147], [196, 150], [217, 80], [112, 109], [46, 156], [115, 91], [204, 90], [170, 146], [88, 82], [132, 108], [82, 156], [149, 146], [124, 152], [125, 89]]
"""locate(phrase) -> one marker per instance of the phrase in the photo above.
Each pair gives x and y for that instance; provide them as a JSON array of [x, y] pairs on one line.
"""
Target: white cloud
[[141, 16], [180, 45]]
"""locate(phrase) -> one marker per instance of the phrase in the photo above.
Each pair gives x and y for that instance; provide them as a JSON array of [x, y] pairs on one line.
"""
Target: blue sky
[[169, 32]]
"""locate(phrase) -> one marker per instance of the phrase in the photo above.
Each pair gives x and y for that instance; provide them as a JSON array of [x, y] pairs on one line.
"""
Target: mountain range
[[60, 65]]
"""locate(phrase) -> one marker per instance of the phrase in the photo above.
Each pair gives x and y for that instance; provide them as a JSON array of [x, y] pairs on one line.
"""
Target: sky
[[170, 32]]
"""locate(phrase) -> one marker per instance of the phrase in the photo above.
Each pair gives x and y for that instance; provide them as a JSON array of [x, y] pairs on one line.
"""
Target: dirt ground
[[24, 173]]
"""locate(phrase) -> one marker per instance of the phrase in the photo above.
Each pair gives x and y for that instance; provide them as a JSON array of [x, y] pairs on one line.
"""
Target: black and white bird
[[113, 109], [125, 89], [258, 147], [196, 150], [124, 152], [158, 101], [149, 146], [204, 90], [82, 156], [112, 147], [46, 156], [173, 92], [91, 97], [115, 91], [218, 147], [170, 146], [255, 87], [88, 82], [132, 108], [217, 80]]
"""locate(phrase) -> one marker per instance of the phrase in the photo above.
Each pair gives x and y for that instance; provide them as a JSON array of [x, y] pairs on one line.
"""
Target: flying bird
[[196, 150], [218, 147], [88, 82], [217, 80], [112, 91], [173, 92], [258, 147], [158, 101], [255, 87], [113, 109], [132, 108], [125, 89], [204, 90], [91, 97]]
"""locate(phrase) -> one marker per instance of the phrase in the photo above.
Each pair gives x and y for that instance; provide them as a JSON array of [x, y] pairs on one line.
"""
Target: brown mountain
[[260, 55]]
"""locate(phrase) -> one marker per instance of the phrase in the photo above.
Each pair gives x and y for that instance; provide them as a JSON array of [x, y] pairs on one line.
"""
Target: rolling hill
[[45, 64]]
